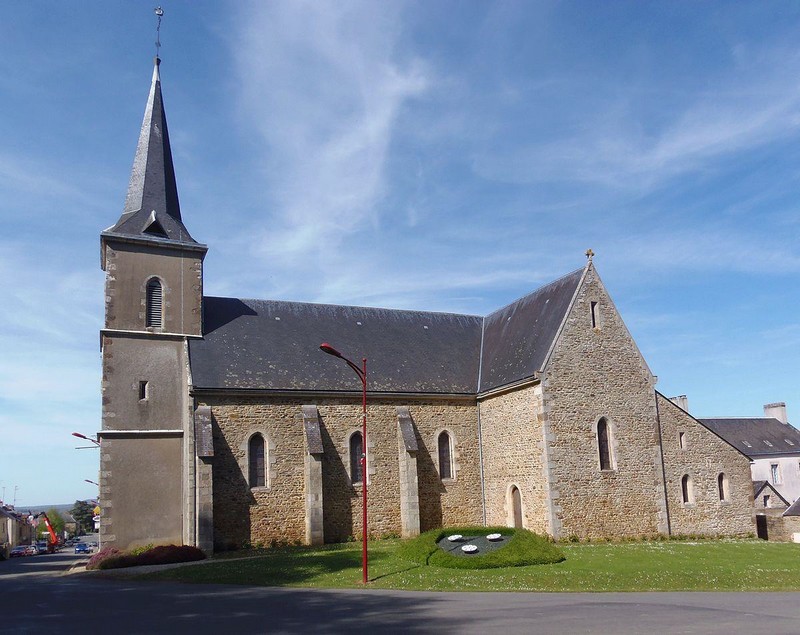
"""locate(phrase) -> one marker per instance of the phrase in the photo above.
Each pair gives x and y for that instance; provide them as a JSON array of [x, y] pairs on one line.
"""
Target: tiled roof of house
[[274, 345], [756, 436]]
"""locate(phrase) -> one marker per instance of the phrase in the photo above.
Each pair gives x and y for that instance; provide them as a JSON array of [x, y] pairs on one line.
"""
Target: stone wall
[[692, 449], [596, 371], [513, 455], [131, 359], [141, 492], [782, 528], [277, 512]]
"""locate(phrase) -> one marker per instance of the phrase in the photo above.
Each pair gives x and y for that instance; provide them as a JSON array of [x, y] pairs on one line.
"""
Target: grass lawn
[[649, 566]]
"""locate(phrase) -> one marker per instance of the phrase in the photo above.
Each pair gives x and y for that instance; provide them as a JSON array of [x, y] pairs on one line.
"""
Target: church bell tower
[[153, 306]]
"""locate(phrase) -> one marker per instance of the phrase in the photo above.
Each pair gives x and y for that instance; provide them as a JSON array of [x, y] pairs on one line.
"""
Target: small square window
[[144, 390]]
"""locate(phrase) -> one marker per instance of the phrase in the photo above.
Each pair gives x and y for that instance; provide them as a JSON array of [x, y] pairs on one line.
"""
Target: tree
[[83, 513]]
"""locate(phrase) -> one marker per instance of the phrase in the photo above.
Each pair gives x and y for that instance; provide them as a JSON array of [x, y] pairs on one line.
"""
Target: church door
[[516, 504], [761, 526]]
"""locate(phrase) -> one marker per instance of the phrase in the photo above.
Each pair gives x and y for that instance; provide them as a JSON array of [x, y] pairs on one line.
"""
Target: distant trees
[[83, 513]]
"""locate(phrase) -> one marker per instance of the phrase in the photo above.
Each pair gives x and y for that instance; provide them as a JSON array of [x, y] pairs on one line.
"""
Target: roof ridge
[[745, 418], [347, 306], [535, 291]]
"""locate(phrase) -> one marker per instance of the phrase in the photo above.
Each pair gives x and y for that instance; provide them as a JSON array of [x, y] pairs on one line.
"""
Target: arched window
[[687, 489], [256, 461], [445, 456], [356, 450], [153, 312], [722, 486], [603, 445]]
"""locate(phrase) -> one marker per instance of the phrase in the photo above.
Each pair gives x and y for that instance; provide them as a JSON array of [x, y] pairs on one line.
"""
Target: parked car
[[82, 547], [33, 550], [41, 547], [18, 552]]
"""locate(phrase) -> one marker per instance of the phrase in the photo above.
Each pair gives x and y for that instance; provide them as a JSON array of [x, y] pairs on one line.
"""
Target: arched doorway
[[516, 506]]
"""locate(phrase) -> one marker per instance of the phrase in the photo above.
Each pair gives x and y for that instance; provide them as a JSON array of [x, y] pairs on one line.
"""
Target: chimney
[[776, 411], [682, 402]]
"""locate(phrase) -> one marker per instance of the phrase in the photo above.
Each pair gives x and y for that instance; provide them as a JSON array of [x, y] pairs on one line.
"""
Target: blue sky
[[449, 156]]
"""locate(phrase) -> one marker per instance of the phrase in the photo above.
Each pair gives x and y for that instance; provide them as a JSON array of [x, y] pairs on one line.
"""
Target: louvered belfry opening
[[154, 313]]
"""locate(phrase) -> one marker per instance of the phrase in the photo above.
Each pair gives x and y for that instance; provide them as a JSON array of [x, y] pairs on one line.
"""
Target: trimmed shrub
[[165, 554], [524, 548], [139, 550], [96, 559]]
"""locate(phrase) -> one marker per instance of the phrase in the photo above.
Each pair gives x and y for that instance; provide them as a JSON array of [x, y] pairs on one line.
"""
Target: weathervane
[[159, 12]]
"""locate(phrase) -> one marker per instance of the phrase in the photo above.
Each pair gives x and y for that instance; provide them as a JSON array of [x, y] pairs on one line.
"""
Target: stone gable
[[596, 371]]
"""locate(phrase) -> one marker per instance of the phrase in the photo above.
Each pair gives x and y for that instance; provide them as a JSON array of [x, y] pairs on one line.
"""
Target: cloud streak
[[322, 86]]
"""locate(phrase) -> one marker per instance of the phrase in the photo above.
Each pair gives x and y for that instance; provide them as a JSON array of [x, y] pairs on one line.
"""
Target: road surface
[[37, 597]]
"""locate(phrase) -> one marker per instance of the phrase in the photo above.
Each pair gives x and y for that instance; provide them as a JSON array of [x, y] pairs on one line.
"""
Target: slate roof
[[274, 345], [152, 209], [794, 509], [518, 337], [756, 436]]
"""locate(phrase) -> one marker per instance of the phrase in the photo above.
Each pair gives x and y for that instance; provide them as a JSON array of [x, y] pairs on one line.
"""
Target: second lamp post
[[362, 375]]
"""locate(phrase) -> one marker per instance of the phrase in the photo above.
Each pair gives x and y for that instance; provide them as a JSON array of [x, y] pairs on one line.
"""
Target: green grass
[[523, 548], [648, 566]]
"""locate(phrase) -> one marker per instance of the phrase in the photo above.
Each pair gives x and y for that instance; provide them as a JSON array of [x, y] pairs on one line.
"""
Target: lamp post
[[362, 375]]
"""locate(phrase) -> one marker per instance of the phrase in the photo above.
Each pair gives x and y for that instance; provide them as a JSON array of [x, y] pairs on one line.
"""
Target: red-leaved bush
[[105, 552], [165, 554]]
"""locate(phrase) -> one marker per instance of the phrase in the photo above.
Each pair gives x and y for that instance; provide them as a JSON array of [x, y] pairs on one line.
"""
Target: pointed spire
[[152, 209]]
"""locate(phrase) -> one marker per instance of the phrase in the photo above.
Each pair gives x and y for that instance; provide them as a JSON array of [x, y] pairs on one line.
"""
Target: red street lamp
[[362, 375]]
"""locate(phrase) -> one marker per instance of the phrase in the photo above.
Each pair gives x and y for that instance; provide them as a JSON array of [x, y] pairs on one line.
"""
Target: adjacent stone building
[[224, 424], [770, 442]]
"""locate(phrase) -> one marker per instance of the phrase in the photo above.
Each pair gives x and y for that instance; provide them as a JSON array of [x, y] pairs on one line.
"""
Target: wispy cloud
[[322, 84], [609, 141]]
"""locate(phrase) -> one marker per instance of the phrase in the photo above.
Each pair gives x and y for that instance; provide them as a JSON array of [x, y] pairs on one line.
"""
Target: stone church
[[223, 423]]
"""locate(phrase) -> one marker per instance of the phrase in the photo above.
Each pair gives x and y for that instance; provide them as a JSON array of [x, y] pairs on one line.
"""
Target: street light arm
[[327, 348], [84, 437]]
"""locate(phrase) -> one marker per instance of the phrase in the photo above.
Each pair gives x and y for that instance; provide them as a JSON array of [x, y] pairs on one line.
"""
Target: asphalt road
[[37, 597]]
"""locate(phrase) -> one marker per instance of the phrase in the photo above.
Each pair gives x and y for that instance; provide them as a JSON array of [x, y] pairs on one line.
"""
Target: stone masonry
[[513, 455], [596, 371], [692, 449], [277, 512]]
